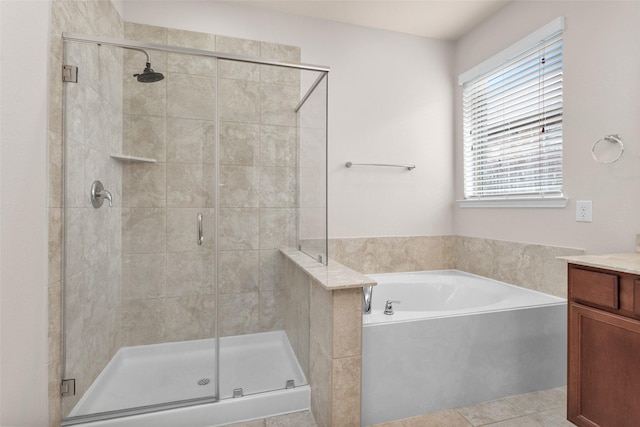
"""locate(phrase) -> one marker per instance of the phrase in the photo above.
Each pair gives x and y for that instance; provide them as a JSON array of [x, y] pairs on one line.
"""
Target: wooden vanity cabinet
[[603, 387]]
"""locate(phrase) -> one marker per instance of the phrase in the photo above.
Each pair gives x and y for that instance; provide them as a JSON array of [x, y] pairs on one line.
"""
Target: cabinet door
[[604, 369]]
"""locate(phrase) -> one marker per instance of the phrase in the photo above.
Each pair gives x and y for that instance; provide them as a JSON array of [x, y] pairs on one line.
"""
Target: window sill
[[538, 202]]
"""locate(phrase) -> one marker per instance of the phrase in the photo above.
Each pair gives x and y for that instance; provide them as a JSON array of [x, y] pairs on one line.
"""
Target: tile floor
[[546, 408], [297, 419]]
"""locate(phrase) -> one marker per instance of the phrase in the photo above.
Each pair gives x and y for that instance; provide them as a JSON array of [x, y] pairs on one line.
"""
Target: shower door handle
[[200, 234]]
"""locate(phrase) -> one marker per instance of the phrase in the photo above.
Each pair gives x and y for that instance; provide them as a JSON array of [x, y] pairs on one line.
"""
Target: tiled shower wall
[[168, 280], [258, 160]]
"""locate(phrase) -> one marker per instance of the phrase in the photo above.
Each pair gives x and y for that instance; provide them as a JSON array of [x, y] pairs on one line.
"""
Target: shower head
[[148, 75]]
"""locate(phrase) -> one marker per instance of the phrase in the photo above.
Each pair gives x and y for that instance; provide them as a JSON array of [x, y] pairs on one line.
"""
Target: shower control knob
[[99, 195]]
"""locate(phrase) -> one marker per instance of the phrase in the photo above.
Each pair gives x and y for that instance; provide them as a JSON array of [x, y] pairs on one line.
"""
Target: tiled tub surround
[[333, 336], [371, 255], [522, 264], [530, 266]]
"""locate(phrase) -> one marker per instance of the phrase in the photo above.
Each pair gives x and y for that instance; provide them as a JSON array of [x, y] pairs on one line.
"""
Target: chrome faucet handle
[[99, 194], [105, 194], [388, 307]]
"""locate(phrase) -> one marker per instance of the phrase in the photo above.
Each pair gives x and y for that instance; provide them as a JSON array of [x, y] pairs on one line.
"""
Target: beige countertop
[[627, 262], [333, 276]]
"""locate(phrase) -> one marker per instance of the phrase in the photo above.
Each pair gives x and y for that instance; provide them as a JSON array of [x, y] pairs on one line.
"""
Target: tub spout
[[367, 291]]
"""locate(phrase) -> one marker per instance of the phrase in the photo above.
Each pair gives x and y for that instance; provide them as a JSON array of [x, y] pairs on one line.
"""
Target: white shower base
[[151, 374]]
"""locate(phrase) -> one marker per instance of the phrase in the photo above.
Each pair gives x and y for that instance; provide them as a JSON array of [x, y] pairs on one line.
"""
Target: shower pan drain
[[204, 381]]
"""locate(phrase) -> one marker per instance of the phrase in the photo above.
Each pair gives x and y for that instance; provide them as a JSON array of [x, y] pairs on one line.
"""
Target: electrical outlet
[[584, 210]]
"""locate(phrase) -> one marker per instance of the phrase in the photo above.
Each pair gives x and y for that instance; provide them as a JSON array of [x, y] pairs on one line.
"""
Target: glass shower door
[[258, 215], [139, 284], [173, 285], [92, 229], [169, 289]]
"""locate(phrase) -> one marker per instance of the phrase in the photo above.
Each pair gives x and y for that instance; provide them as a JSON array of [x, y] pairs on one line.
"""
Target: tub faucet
[[388, 307], [367, 291]]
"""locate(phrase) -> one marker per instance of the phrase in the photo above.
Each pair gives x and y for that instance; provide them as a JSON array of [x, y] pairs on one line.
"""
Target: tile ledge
[[333, 276]]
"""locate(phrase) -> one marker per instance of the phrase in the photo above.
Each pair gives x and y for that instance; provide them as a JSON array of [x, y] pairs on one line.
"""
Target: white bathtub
[[456, 339]]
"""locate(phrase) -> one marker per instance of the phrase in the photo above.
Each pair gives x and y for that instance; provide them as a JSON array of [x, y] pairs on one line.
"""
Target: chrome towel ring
[[615, 139]]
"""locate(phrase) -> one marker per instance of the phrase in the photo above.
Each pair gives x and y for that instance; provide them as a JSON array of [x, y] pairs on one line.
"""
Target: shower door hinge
[[68, 387], [70, 74]]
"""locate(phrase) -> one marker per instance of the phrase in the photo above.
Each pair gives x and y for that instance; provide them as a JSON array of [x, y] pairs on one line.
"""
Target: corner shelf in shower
[[134, 159]]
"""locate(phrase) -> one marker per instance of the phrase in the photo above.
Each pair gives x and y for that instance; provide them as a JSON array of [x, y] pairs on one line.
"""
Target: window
[[512, 124]]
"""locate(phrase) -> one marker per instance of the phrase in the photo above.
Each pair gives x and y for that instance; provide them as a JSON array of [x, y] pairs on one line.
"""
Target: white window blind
[[513, 126]]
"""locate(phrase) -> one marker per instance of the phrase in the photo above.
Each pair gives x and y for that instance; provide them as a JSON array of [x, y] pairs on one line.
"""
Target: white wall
[[23, 244], [601, 97], [389, 102]]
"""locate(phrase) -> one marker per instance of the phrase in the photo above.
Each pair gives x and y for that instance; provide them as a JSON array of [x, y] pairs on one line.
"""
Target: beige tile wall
[[325, 330], [527, 265], [370, 255], [522, 264], [258, 181], [173, 121], [292, 298], [168, 282]]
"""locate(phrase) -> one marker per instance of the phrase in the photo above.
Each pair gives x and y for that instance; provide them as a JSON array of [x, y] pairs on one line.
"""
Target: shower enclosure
[[181, 185]]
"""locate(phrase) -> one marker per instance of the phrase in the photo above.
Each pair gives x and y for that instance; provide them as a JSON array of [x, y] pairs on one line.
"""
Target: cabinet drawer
[[594, 288]]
